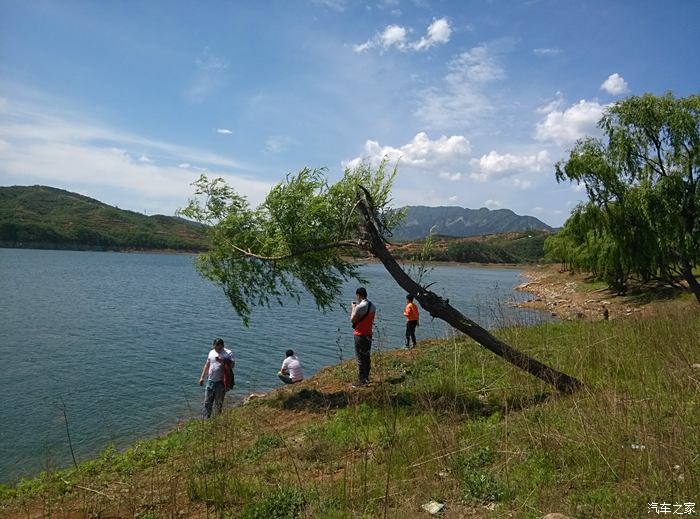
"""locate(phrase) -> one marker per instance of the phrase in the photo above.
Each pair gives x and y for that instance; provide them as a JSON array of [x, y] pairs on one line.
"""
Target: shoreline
[[98, 248], [571, 296]]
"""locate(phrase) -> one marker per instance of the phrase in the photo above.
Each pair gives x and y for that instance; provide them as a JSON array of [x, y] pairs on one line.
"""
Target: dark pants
[[363, 346], [411, 332], [287, 379]]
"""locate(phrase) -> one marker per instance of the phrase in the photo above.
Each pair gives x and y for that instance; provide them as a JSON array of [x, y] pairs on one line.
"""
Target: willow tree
[[300, 238], [585, 243], [643, 185]]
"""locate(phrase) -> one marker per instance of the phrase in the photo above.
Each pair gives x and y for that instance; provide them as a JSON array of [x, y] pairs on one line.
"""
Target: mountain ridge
[[49, 217], [461, 222]]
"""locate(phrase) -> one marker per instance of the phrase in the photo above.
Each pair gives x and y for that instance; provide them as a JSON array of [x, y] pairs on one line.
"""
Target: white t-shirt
[[216, 368], [292, 366]]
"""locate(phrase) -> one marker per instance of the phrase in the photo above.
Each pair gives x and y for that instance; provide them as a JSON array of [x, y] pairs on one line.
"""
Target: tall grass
[[447, 421]]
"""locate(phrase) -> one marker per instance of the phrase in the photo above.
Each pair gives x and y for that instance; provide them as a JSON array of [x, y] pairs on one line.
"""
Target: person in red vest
[[411, 313], [362, 318]]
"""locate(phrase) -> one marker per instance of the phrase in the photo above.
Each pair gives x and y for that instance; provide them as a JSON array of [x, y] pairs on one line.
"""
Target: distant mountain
[[47, 217], [458, 221]]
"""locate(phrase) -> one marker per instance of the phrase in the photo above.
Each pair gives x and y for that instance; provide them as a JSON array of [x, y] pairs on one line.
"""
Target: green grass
[[453, 423]]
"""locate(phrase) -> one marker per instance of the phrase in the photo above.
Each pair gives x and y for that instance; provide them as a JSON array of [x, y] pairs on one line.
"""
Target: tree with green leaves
[[585, 243], [298, 240], [642, 217]]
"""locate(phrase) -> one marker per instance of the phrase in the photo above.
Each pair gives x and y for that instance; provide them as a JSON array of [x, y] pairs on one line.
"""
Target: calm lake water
[[118, 341]]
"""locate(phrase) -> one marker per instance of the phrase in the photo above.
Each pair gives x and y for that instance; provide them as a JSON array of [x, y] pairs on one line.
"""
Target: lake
[[118, 341]]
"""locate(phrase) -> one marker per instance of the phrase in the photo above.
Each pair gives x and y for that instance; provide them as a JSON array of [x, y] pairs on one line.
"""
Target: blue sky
[[130, 101]]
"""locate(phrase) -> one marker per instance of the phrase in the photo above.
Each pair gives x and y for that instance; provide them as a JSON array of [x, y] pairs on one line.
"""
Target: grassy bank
[[447, 421]]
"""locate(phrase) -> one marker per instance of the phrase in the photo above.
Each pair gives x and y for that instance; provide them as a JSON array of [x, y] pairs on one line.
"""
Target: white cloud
[[615, 85], [209, 76], [453, 198], [224, 131], [420, 152], [562, 127], [451, 176], [461, 98], [362, 47], [278, 143], [395, 36], [522, 183], [186, 165], [388, 5], [336, 5], [555, 104], [439, 32], [493, 204], [68, 152], [494, 166], [391, 36], [478, 65], [545, 51]]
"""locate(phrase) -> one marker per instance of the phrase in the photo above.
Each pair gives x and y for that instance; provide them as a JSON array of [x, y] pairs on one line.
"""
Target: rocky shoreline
[[564, 295]]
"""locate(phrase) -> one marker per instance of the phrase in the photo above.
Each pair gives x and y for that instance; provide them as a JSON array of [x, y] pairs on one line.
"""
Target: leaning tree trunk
[[687, 272], [438, 307]]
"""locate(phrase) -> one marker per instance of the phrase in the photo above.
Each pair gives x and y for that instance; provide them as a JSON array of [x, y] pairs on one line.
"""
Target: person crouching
[[290, 372]]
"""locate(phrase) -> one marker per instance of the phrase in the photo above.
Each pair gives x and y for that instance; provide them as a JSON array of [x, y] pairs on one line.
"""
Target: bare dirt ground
[[570, 296]]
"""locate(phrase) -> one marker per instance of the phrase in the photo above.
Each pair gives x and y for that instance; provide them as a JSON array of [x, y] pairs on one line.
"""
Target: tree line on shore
[[641, 221]]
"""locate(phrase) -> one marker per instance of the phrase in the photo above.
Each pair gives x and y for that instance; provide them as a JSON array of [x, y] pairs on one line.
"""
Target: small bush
[[283, 504], [262, 446], [222, 489], [478, 485]]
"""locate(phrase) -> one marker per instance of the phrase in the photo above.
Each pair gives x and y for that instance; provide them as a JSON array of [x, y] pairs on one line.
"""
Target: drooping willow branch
[[300, 252]]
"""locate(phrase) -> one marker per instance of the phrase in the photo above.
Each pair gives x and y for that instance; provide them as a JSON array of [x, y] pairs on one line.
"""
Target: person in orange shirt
[[411, 313]]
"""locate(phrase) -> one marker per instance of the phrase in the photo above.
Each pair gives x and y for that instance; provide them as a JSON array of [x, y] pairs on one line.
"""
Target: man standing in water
[[411, 313], [217, 361], [362, 318]]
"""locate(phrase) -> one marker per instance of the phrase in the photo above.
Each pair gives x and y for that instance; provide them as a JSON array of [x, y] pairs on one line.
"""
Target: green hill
[[47, 217]]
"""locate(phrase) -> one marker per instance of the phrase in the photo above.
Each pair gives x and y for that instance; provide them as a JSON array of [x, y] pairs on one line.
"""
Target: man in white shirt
[[290, 372], [213, 370]]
